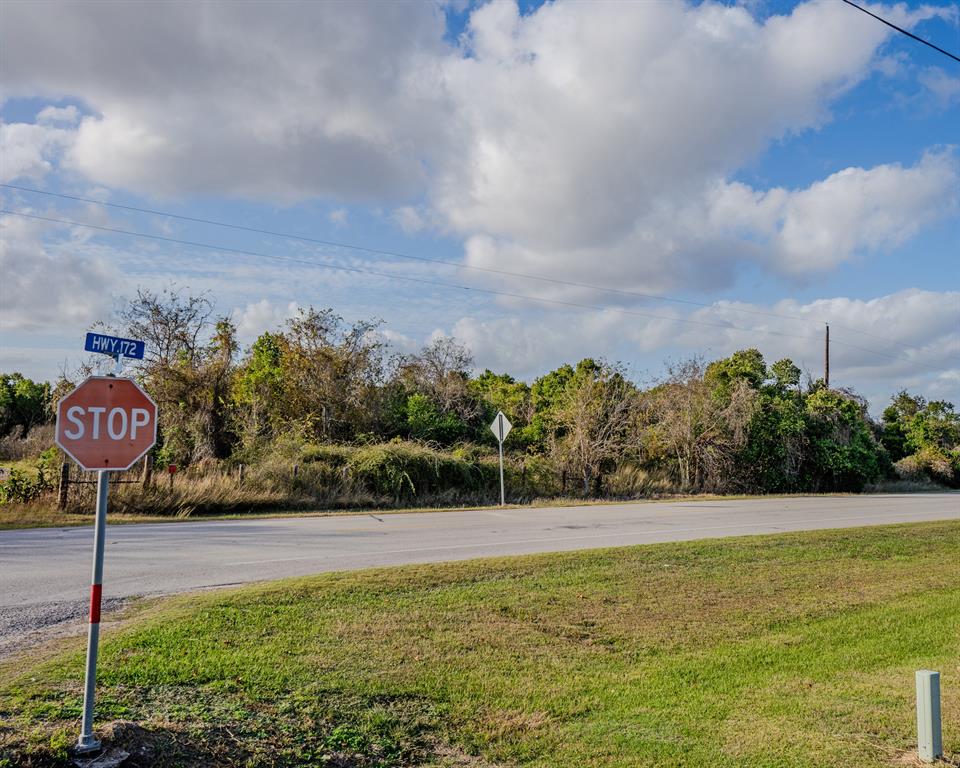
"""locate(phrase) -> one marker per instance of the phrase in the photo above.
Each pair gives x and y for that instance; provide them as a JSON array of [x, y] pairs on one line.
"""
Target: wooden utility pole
[[826, 357]]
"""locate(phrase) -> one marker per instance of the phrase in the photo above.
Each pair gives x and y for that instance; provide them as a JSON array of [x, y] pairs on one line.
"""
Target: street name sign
[[114, 346], [106, 423]]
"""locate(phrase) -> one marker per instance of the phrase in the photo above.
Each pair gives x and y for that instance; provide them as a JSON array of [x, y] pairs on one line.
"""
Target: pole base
[[87, 744]]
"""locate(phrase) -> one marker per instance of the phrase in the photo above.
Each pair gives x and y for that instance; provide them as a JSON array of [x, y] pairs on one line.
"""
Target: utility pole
[[826, 358]]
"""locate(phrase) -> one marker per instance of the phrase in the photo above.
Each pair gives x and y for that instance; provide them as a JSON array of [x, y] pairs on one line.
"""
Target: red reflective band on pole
[[96, 590]]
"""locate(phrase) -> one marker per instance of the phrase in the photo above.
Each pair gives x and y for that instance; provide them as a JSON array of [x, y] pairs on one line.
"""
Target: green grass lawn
[[790, 650]]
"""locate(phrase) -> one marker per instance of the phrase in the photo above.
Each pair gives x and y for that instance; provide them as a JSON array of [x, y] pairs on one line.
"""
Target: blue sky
[[770, 158]]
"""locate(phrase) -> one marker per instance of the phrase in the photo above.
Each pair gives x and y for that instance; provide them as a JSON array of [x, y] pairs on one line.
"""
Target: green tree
[[258, 388], [425, 421], [593, 420], [786, 375], [746, 365], [331, 374], [431, 393], [547, 394], [501, 392], [24, 403], [843, 455]]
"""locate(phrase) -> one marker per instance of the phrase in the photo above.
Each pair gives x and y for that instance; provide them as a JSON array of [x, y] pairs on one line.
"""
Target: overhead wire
[[446, 262], [438, 283], [903, 31]]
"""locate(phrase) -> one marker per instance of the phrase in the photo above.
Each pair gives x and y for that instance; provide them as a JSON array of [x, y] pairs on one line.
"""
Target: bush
[[38, 440], [20, 487], [408, 471], [630, 481], [931, 463]]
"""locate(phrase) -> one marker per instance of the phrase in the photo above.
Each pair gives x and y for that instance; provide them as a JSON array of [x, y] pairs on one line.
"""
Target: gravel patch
[[25, 626]]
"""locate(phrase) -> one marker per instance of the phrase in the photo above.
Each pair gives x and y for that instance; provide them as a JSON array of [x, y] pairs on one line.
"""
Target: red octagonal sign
[[106, 423]]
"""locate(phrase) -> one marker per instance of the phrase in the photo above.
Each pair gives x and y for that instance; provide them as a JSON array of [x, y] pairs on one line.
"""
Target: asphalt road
[[45, 573]]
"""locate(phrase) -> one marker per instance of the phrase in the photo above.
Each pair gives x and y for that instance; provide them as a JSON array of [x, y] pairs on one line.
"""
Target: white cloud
[[264, 100], [68, 115], [854, 209], [27, 150], [591, 137], [409, 219], [257, 317], [591, 142], [908, 339], [47, 287], [945, 88], [338, 217]]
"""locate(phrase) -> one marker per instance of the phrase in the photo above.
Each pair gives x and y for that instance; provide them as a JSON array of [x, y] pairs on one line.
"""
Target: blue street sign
[[113, 346]]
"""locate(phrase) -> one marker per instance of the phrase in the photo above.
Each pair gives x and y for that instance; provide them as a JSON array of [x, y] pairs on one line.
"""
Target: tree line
[[733, 425]]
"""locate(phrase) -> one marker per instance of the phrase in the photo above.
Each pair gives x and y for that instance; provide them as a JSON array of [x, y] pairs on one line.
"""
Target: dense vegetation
[[366, 426]]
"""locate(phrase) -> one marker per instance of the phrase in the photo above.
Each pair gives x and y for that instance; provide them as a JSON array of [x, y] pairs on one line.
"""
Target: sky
[[639, 182]]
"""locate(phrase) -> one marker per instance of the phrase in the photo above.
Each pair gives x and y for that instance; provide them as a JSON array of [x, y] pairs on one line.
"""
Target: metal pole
[[87, 741], [501, 472]]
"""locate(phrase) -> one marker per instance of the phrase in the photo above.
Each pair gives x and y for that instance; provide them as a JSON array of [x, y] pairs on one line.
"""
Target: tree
[[187, 369], [843, 455], [330, 374], [696, 427], [911, 424], [172, 326], [546, 396], [786, 375], [439, 375], [23, 404], [594, 417], [258, 388], [501, 392], [746, 365]]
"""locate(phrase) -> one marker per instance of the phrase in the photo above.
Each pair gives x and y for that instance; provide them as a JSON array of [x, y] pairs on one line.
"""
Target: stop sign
[[106, 423]]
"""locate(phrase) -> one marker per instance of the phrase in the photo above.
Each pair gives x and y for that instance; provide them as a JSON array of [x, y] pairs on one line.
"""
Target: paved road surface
[[44, 573]]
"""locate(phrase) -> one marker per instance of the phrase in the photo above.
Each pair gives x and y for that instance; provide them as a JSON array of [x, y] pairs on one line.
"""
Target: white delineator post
[[929, 735], [87, 741]]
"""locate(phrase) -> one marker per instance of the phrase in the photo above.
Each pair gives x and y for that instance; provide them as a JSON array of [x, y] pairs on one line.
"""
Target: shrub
[[38, 440], [630, 481], [407, 471], [20, 487], [933, 464]]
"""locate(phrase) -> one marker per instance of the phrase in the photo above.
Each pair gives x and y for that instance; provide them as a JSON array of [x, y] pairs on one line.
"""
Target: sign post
[[106, 424], [501, 428]]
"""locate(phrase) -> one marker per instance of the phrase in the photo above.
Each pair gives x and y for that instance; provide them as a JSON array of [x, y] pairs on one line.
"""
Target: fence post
[[147, 470], [64, 485], [241, 475], [296, 471]]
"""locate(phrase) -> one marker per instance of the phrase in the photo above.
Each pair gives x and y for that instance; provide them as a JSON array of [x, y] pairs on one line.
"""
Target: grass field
[[776, 651]]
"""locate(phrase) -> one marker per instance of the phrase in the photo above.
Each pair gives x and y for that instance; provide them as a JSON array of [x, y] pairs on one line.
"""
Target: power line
[[900, 29], [445, 262], [388, 275], [437, 283]]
